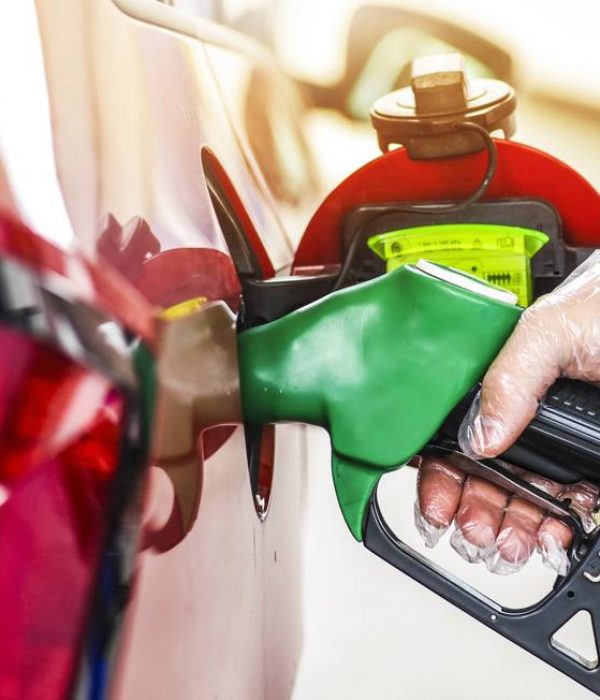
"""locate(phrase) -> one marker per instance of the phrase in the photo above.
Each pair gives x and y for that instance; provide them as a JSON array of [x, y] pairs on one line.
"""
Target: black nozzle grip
[[562, 442]]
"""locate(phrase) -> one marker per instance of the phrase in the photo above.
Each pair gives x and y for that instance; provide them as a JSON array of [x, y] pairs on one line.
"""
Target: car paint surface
[[122, 99]]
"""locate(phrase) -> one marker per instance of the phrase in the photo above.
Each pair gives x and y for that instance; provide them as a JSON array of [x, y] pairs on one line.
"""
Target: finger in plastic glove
[[554, 540], [584, 499], [548, 486], [553, 536], [439, 488], [430, 534], [496, 564], [478, 519], [477, 432], [467, 550], [517, 538], [513, 386], [500, 412]]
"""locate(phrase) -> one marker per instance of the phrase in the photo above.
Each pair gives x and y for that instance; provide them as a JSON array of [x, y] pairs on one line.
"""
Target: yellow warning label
[[498, 254]]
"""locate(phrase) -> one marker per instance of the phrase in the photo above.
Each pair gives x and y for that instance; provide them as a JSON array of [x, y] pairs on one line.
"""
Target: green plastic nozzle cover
[[379, 365]]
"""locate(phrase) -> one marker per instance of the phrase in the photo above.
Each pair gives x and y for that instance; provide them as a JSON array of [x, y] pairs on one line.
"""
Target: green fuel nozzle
[[379, 366]]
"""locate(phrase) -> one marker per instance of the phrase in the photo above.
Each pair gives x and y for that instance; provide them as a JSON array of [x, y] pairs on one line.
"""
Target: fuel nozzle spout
[[439, 114]]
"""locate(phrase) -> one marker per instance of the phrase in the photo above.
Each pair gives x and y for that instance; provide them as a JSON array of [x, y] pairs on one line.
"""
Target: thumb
[[512, 388]]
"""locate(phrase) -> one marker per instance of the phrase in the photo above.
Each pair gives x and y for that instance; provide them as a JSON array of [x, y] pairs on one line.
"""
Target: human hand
[[492, 526], [559, 335]]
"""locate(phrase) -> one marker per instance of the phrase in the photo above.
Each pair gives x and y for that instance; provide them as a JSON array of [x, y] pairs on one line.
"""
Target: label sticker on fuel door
[[498, 254]]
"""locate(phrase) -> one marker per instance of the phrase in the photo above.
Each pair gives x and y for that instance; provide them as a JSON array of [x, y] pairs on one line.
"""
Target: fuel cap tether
[[428, 117]]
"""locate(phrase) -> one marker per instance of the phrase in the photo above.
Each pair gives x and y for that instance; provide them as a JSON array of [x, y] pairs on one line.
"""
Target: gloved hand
[[492, 526], [559, 335]]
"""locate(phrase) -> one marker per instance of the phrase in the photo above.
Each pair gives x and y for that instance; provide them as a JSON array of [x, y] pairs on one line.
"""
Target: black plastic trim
[[531, 628], [549, 266]]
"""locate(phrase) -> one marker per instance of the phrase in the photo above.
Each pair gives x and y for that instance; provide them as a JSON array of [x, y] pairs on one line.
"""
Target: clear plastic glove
[[491, 526], [559, 335]]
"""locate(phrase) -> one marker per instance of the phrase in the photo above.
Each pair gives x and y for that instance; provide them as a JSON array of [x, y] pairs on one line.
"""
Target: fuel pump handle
[[562, 442], [379, 365], [387, 367]]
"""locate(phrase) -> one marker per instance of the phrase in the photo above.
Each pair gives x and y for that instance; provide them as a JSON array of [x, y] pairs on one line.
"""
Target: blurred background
[[345, 53], [370, 632]]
